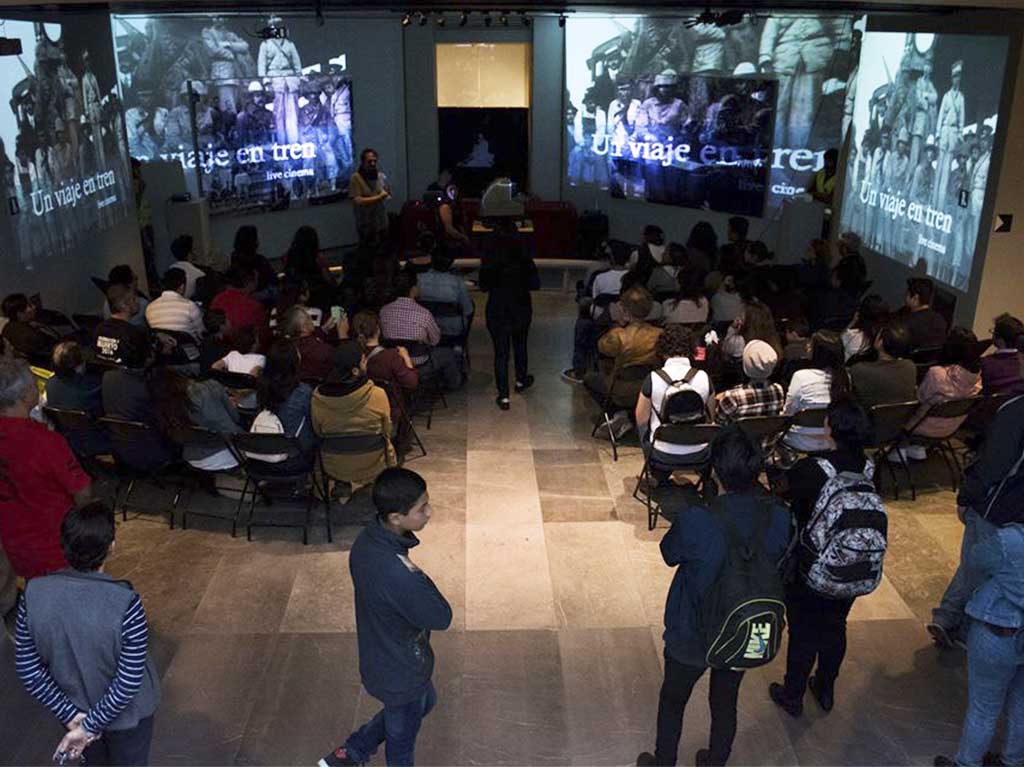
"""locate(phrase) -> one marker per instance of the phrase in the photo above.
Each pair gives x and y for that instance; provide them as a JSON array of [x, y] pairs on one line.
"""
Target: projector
[[10, 46], [272, 33], [500, 200]]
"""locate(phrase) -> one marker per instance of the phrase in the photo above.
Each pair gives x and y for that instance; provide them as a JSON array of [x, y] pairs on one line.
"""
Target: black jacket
[[1000, 451], [507, 276]]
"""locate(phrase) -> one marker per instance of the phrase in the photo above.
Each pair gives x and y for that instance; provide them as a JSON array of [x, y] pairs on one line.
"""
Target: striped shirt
[[172, 311], [35, 675]]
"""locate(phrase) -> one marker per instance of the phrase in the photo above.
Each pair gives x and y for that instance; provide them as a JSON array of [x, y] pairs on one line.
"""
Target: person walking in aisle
[[507, 276], [397, 606]]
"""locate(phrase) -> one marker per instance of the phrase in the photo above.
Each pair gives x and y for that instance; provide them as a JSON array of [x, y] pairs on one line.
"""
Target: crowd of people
[[667, 335]]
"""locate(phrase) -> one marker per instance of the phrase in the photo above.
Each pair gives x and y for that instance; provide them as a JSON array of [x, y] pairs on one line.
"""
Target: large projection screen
[[924, 118], [808, 57]]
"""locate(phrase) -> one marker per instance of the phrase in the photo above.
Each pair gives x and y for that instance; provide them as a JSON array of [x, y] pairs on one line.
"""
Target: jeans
[[675, 692], [396, 727], [502, 340], [995, 685], [817, 631], [122, 748], [950, 612]]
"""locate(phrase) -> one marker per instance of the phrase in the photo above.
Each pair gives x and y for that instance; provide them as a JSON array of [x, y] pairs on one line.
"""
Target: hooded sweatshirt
[[942, 384], [397, 606], [355, 407]]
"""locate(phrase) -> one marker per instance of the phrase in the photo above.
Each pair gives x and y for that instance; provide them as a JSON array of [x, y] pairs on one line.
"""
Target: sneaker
[[503, 403], [337, 758], [898, 456], [778, 695], [941, 636], [621, 424], [646, 759], [572, 376], [526, 383], [917, 452]]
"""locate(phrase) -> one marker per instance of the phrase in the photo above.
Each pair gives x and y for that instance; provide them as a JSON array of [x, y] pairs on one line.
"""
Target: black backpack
[[1004, 503], [744, 612], [679, 405]]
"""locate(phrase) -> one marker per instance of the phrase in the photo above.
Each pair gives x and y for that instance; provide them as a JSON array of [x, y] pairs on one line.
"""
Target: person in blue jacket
[[995, 649], [397, 606], [696, 546]]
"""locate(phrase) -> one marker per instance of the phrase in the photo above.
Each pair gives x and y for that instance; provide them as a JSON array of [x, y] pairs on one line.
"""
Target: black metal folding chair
[[345, 444], [808, 418], [430, 388], [125, 432], [75, 425], [767, 430], [954, 409], [404, 429], [889, 422], [261, 473], [451, 310], [679, 435], [197, 437], [610, 404]]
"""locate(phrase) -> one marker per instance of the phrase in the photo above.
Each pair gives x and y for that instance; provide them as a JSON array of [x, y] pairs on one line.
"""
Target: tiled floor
[[557, 588]]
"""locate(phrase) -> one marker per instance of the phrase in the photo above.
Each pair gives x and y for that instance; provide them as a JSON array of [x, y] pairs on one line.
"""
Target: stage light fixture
[[487, 19], [406, 19], [525, 19], [440, 20], [561, 21], [503, 18], [463, 19], [423, 19]]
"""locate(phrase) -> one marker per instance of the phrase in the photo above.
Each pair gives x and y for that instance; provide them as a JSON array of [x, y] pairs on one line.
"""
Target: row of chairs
[[259, 458]]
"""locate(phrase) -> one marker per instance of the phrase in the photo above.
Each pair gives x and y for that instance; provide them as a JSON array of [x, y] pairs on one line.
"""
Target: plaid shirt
[[749, 400], [405, 320]]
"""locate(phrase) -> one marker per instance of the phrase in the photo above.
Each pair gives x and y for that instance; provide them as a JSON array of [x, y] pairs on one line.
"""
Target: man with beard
[[660, 120], [254, 123], [369, 193], [145, 126]]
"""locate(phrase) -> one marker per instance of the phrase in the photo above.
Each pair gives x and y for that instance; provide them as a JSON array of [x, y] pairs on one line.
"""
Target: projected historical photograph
[[253, 101], [924, 118], [778, 82], [63, 163]]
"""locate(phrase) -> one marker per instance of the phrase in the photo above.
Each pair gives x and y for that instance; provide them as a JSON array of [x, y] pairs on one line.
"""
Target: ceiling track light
[[406, 19], [561, 21], [463, 19], [440, 19], [422, 18], [503, 18], [487, 18], [524, 18]]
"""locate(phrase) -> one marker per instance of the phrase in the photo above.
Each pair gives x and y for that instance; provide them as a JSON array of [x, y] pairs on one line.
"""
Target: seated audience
[[817, 624], [118, 335], [891, 378], [652, 251], [798, 340], [216, 341], [440, 285], [726, 303], [664, 277], [124, 277], [305, 263], [759, 396], [126, 395], [631, 343], [71, 388], [28, 336], [697, 547], [38, 492], [608, 283], [81, 648], [635, 279], [814, 388], [1001, 371], [236, 301], [246, 254], [730, 255], [172, 310], [689, 307], [181, 249], [834, 307], [815, 270], [181, 401], [594, 317], [282, 392], [422, 257], [926, 328], [244, 359], [676, 374], [383, 364], [859, 337], [757, 255], [702, 247], [754, 324], [349, 403], [405, 320], [314, 345]]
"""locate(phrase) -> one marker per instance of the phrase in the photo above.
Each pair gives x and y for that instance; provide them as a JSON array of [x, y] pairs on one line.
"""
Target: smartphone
[[337, 314]]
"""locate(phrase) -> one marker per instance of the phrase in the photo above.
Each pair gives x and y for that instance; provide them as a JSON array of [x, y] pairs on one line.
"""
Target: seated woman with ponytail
[[815, 387]]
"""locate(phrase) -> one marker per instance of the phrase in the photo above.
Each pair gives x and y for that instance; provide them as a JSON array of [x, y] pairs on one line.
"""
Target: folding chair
[[889, 421], [430, 377], [609, 406], [198, 437], [237, 382], [261, 473], [680, 435], [400, 415], [808, 418], [451, 310], [125, 431], [345, 444], [766, 430], [953, 409], [175, 347], [76, 423]]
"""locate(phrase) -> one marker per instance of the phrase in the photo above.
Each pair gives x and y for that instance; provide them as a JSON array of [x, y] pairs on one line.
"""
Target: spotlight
[[525, 19], [561, 21], [423, 19], [440, 20], [487, 18], [503, 18], [406, 19], [463, 19]]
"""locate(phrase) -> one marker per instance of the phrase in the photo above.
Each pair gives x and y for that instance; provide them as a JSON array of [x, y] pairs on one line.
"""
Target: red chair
[[554, 228]]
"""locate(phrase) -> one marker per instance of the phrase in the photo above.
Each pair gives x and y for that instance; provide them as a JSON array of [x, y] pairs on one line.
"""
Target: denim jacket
[[997, 563]]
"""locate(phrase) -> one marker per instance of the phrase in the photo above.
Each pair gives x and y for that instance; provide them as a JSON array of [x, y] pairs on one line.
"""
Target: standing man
[[397, 606], [279, 63], [950, 129], [369, 191], [92, 109], [228, 53], [976, 183], [81, 649]]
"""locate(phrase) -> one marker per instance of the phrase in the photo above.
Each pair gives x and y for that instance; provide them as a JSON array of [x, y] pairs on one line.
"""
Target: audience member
[[871, 316], [349, 403], [798, 340], [440, 285], [172, 310], [757, 255], [422, 257], [652, 251], [815, 270], [726, 303], [690, 306], [892, 377], [608, 283], [759, 396], [181, 250], [730, 256], [216, 341], [245, 360], [1000, 451], [246, 254], [304, 264], [383, 364], [405, 320], [833, 308], [236, 301], [118, 336], [397, 606], [181, 402], [82, 648], [594, 315], [508, 275], [1001, 371], [315, 350], [282, 392], [697, 547], [676, 375], [28, 336], [123, 276], [616, 314], [926, 328], [817, 622], [37, 492], [754, 324], [702, 247], [816, 387], [72, 388], [664, 277]]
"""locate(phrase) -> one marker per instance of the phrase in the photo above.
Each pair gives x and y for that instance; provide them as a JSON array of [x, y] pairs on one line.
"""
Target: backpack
[[679, 405], [744, 612], [1004, 503], [267, 422], [843, 544]]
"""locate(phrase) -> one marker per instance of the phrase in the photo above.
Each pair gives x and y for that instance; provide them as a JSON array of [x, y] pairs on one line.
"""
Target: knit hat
[[759, 360]]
